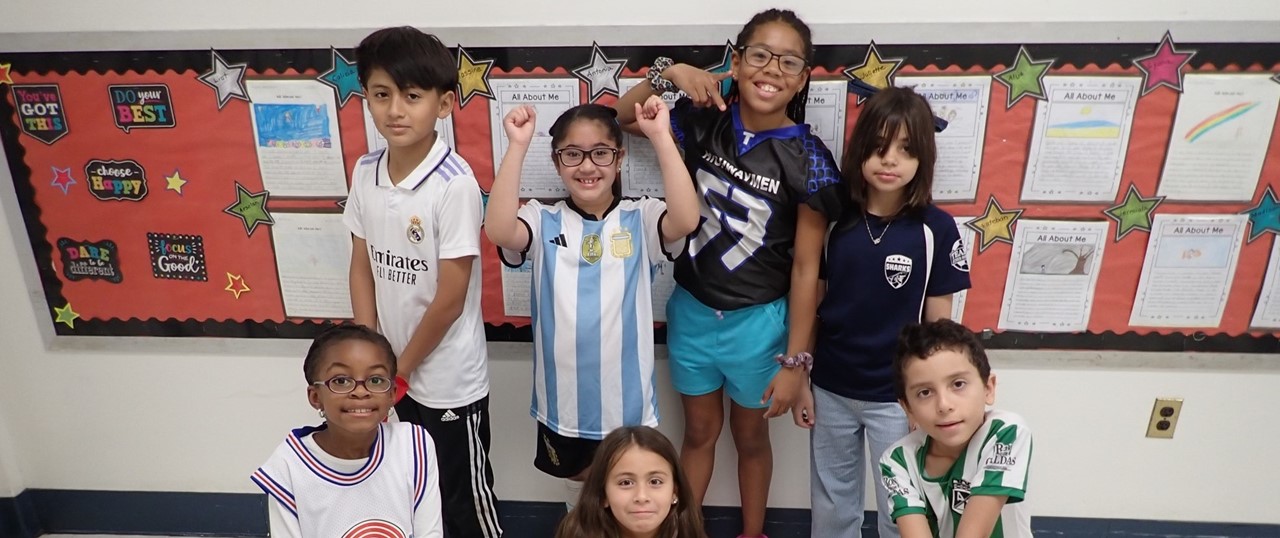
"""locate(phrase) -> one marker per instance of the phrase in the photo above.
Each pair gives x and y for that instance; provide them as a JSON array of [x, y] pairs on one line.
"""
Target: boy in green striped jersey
[[963, 472]]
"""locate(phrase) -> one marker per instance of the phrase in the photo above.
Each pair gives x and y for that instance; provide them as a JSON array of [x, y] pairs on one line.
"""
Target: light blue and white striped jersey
[[592, 314]]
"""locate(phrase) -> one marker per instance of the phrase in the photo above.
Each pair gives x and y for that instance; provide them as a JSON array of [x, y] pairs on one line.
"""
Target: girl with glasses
[[354, 471], [592, 256]]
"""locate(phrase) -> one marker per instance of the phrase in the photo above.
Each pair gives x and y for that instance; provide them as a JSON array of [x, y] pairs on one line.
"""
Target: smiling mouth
[[588, 180], [768, 88]]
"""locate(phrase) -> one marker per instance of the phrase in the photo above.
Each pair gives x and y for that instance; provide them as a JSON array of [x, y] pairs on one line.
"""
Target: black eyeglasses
[[757, 56], [342, 384], [574, 156]]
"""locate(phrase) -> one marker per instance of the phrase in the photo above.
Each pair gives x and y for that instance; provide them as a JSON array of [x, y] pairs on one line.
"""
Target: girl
[[353, 471], [633, 490], [892, 260], [768, 188], [592, 257]]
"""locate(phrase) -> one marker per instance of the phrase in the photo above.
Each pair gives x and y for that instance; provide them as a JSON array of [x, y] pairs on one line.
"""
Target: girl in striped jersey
[[592, 257]]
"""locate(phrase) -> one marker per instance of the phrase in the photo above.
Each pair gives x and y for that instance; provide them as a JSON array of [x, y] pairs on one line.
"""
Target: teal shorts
[[734, 349]]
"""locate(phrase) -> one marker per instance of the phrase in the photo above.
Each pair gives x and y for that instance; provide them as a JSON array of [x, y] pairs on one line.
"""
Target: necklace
[[866, 219]]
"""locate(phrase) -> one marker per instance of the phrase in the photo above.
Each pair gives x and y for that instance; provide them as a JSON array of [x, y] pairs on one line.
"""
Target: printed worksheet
[[313, 256], [1188, 269], [825, 113], [1080, 138], [1267, 314], [962, 101], [550, 97], [295, 133], [1053, 274]]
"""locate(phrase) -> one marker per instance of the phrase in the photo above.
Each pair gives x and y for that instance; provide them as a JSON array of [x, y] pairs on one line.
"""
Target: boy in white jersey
[[963, 472], [414, 212]]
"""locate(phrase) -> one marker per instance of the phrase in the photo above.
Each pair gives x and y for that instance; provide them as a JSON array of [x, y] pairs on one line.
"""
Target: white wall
[[200, 414]]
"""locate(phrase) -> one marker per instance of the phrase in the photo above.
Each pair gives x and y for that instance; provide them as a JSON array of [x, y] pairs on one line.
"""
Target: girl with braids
[[741, 320]]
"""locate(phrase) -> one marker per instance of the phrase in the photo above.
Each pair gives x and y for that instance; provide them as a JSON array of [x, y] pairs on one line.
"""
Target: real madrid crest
[[620, 243], [414, 232], [592, 249]]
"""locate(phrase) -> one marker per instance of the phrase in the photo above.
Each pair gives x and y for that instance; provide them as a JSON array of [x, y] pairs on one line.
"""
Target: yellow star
[[4, 74], [875, 70], [66, 315], [995, 225], [473, 77], [236, 285], [175, 182]]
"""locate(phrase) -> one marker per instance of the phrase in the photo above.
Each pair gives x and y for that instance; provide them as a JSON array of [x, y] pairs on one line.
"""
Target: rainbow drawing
[[1214, 121]]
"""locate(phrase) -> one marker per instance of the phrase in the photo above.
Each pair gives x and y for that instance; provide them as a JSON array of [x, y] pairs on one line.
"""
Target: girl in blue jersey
[[592, 257], [893, 259], [768, 189]]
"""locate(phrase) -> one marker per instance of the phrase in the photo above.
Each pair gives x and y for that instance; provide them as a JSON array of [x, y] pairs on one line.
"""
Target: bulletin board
[[1119, 196]]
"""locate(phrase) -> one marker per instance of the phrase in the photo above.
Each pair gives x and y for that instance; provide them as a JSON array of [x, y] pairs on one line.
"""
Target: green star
[[1026, 77], [251, 208], [66, 315], [1134, 213]]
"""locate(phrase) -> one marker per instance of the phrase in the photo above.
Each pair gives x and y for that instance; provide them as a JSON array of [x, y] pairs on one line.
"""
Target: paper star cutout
[[1026, 77], [473, 78], [62, 179], [66, 315], [1265, 216], [725, 66], [251, 208], [995, 225], [875, 70], [601, 74], [1134, 213], [175, 182], [341, 203], [227, 80], [1164, 66], [1276, 78], [5, 72], [236, 285], [342, 77]]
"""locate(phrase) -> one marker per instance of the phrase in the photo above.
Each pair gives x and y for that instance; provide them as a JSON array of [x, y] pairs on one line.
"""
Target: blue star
[[1264, 217], [342, 77], [725, 65]]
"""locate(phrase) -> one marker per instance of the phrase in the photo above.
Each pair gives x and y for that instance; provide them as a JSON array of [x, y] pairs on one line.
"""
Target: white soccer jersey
[[994, 463], [394, 493], [593, 314], [433, 214]]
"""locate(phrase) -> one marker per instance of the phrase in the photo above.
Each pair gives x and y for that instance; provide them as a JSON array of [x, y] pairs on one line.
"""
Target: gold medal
[[592, 249]]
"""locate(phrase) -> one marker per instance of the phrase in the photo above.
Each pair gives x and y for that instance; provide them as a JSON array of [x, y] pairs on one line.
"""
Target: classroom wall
[[199, 415]]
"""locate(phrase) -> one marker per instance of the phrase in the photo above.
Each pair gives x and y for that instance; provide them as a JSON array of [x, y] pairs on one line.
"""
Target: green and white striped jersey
[[994, 463]]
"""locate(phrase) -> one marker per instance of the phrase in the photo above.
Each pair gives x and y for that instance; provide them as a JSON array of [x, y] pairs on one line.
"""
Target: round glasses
[[757, 56], [341, 384], [574, 156]]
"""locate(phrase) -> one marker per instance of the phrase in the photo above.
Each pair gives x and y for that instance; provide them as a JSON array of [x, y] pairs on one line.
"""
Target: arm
[[500, 223], [363, 302], [802, 311], [917, 526], [427, 520], [451, 293], [682, 200], [701, 87], [282, 523], [936, 308], [980, 516]]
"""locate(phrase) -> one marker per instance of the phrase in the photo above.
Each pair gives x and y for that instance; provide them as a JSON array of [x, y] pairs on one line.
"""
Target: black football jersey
[[750, 184]]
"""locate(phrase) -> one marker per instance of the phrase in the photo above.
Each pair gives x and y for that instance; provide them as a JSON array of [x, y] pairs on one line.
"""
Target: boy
[[414, 213], [963, 472]]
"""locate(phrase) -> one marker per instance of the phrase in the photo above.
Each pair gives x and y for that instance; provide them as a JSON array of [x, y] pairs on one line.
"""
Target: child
[[634, 489], [414, 213], [963, 472], [893, 259], [593, 255], [768, 188], [354, 470]]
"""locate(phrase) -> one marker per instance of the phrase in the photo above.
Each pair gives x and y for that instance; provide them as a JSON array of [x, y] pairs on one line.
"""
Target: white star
[[601, 73], [227, 80]]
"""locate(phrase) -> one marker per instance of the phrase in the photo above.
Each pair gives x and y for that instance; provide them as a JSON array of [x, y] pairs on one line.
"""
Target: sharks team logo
[[897, 269]]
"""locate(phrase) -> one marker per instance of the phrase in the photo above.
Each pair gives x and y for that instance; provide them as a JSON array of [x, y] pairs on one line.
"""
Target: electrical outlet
[[1164, 418]]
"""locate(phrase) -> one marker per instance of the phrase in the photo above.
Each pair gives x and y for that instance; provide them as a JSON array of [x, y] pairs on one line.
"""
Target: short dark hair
[[919, 341], [341, 333], [410, 56], [882, 116]]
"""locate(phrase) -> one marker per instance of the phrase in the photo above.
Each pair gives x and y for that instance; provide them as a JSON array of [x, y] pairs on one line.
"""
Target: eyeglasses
[[341, 384], [756, 56], [575, 156]]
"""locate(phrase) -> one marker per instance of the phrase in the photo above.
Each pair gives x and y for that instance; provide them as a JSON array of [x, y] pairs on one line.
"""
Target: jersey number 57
[[732, 217]]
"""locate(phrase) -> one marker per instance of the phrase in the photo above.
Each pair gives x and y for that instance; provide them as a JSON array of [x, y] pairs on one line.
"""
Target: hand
[[653, 117], [802, 413], [783, 389], [701, 87], [519, 124]]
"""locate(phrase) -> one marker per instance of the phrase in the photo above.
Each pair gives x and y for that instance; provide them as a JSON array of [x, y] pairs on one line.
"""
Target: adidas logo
[[559, 241], [448, 416]]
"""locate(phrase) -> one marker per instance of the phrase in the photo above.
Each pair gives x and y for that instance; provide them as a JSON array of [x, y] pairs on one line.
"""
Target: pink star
[[62, 179], [1164, 66]]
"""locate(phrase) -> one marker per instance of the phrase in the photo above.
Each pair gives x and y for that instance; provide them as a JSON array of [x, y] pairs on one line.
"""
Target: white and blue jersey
[[592, 314]]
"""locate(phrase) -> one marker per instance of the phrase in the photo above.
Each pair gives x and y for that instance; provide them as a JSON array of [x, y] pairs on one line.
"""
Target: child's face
[[640, 491], [891, 172], [404, 117], [767, 90], [589, 182], [362, 409], [946, 398]]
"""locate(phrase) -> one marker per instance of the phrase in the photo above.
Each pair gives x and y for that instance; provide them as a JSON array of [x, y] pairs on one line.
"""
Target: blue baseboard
[[45, 511]]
